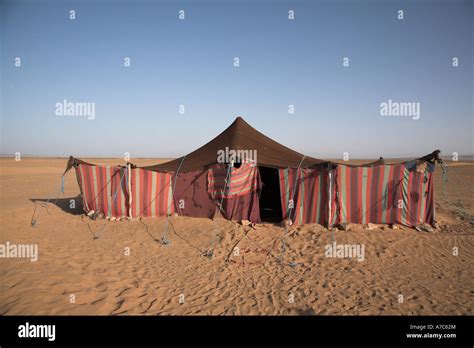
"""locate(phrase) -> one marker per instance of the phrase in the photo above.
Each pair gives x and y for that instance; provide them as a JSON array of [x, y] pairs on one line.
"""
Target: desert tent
[[244, 175]]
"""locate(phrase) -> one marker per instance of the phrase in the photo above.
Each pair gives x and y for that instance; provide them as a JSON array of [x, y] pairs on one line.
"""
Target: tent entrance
[[270, 198]]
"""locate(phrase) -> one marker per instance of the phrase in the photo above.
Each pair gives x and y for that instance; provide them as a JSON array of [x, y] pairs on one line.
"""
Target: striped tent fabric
[[152, 193], [240, 181], [104, 189], [378, 193], [239, 198], [384, 194], [333, 204], [309, 191]]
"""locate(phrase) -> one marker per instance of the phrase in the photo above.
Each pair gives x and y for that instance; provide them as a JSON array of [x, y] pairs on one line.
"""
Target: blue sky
[[190, 62]]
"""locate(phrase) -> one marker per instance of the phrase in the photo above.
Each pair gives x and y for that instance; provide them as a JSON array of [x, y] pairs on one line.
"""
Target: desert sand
[[179, 279]]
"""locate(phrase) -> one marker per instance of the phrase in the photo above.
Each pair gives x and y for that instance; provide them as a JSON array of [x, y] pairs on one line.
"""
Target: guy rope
[[34, 217]]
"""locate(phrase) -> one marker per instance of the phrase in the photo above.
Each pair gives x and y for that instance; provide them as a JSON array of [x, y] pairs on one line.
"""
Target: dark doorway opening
[[270, 201]]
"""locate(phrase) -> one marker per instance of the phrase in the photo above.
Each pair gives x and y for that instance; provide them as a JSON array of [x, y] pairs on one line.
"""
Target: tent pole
[[330, 198], [130, 190]]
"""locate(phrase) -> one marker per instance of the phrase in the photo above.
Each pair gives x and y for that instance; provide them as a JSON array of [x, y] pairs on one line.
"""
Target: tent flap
[[235, 191]]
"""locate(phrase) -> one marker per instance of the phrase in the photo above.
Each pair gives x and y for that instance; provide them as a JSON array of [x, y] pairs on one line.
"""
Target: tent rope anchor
[[45, 205]]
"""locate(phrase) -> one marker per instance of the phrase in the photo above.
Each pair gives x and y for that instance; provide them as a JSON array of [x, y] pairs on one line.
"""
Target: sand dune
[[179, 278]]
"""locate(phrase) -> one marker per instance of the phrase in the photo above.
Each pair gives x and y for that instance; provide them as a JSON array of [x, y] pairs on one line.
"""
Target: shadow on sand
[[64, 204]]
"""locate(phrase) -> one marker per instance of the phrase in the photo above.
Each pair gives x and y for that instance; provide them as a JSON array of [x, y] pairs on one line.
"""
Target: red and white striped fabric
[[305, 195], [104, 189], [384, 194], [240, 181], [152, 193]]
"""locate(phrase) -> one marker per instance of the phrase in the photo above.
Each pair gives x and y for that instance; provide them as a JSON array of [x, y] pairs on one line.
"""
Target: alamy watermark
[[237, 156], [28, 330], [25, 251], [79, 109], [400, 109], [345, 251]]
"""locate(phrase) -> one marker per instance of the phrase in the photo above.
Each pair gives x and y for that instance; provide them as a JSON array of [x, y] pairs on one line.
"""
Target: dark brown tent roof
[[240, 136]]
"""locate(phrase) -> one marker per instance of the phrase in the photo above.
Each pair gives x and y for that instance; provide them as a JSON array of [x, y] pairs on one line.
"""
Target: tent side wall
[[152, 193], [191, 197], [385, 194], [398, 193], [305, 196], [106, 189], [103, 189]]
